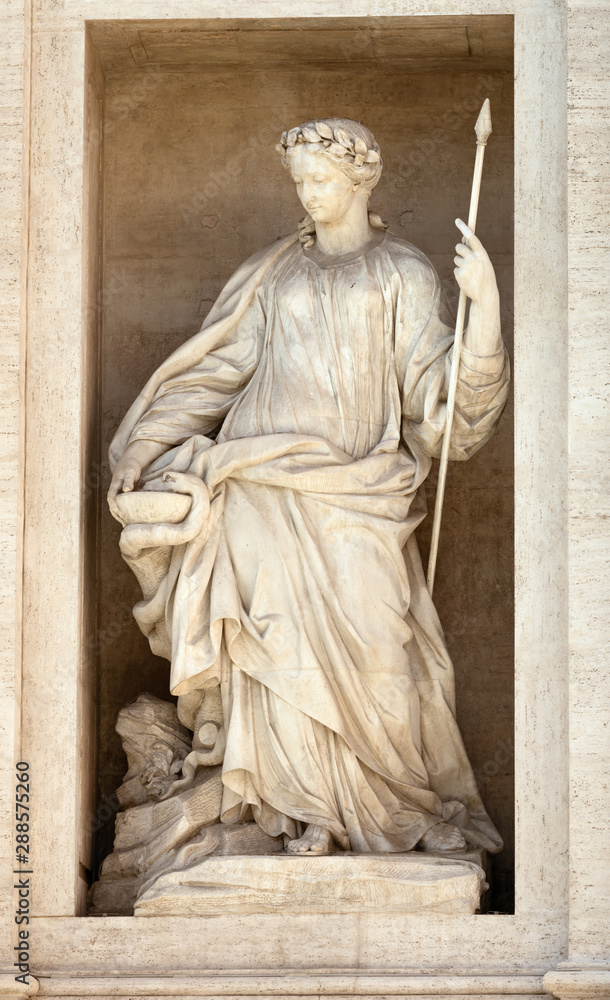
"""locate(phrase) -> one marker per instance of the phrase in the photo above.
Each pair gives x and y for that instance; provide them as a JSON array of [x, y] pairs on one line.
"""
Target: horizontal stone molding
[[578, 985], [328, 986], [364, 996]]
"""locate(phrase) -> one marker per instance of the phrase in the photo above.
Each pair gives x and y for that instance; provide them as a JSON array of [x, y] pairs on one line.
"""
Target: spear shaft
[[483, 130]]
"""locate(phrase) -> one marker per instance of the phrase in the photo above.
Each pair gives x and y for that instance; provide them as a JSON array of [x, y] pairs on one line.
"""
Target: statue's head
[[332, 161], [348, 144]]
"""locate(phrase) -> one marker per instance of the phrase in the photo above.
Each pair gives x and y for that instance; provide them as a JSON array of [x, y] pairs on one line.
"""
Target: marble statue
[[269, 479]]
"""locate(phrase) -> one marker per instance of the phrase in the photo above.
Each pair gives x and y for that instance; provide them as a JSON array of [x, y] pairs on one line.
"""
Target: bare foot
[[442, 837], [315, 840]]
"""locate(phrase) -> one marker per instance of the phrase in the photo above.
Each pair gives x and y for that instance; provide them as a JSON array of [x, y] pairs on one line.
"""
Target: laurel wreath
[[338, 143]]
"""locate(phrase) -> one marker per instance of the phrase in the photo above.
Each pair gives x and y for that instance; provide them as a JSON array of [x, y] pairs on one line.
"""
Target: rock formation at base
[[155, 835]]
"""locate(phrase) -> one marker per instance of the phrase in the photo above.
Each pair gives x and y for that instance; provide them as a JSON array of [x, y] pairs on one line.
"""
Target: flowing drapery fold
[[304, 596]]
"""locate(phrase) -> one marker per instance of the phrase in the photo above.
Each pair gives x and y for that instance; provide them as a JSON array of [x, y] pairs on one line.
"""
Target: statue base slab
[[414, 882]]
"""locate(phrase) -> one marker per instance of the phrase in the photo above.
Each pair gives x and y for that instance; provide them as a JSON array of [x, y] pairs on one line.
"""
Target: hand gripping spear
[[483, 131]]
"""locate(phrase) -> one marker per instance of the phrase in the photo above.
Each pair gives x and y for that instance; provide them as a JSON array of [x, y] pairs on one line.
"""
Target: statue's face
[[324, 190]]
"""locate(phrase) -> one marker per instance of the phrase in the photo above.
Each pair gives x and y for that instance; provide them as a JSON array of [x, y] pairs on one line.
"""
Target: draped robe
[[304, 596]]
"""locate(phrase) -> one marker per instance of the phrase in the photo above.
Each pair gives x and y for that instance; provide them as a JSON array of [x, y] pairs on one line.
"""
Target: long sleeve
[[197, 401], [424, 348]]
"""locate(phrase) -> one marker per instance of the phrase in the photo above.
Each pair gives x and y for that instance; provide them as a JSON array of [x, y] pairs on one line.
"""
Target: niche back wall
[[192, 186]]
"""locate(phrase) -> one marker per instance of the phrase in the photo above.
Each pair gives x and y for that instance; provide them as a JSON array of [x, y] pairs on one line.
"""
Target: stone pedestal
[[340, 883], [127, 872]]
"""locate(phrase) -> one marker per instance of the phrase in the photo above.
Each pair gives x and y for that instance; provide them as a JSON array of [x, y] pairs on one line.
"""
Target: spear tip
[[483, 125]]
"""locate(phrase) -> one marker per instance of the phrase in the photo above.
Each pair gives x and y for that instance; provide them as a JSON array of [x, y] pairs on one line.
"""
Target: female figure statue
[[294, 610]]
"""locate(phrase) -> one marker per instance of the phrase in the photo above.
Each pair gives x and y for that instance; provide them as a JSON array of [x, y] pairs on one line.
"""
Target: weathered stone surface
[[338, 883], [146, 833], [155, 743], [117, 889], [114, 896]]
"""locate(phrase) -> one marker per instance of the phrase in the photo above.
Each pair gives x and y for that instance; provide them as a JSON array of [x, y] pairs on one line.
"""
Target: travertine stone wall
[[14, 27], [482, 956], [192, 187], [588, 42]]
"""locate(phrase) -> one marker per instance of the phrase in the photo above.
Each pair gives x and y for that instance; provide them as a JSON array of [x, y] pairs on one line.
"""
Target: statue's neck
[[346, 235]]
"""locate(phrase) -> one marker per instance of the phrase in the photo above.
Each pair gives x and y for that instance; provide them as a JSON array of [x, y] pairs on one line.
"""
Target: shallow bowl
[[148, 507]]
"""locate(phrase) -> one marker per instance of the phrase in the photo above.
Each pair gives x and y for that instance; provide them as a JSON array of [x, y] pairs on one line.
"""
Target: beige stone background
[[193, 186]]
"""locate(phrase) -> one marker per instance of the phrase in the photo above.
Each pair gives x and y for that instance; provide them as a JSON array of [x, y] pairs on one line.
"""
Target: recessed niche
[[191, 186]]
